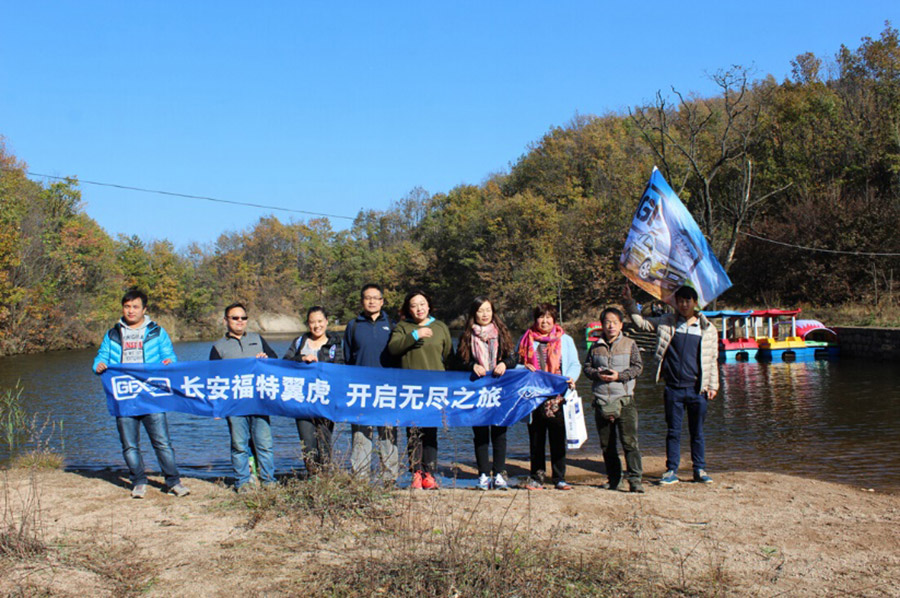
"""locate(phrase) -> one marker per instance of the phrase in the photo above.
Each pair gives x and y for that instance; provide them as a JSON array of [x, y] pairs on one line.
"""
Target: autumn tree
[[699, 142]]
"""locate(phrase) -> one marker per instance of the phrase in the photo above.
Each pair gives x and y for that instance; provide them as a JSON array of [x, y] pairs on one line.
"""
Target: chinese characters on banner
[[368, 396]]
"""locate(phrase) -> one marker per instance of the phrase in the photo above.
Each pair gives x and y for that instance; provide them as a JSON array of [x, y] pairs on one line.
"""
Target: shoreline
[[583, 469]]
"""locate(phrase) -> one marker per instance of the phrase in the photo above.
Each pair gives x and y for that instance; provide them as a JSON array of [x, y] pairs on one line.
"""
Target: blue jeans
[[677, 401], [242, 429], [157, 427]]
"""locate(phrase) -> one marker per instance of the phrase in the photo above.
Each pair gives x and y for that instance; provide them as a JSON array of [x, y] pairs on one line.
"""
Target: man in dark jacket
[[365, 343], [238, 343]]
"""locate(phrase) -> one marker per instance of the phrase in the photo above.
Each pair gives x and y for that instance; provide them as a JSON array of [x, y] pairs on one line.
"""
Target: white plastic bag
[[576, 430]]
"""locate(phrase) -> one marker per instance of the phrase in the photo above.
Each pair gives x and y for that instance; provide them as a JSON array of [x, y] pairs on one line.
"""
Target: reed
[[12, 417], [21, 530]]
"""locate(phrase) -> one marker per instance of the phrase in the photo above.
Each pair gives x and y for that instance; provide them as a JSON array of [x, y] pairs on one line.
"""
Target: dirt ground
[[757, 534]]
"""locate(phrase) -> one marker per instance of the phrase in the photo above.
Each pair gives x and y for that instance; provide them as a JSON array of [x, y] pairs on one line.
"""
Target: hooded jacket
[[157, 344]]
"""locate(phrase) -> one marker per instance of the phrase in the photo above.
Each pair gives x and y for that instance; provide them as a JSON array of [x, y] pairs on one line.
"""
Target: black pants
[[624, 429], [315, 441], [485, 435], [421, 448], [539, 430]]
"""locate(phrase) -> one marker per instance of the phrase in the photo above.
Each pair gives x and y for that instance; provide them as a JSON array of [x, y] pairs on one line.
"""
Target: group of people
[[686, 351]]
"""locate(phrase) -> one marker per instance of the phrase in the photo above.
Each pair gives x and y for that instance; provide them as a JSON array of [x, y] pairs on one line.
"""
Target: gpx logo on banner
[[530, 392], [126, 387]]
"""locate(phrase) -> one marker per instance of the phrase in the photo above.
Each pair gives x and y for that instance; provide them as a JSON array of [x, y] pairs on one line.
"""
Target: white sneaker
[[179, 490], [484, 482], [139, 491], [500, 482]]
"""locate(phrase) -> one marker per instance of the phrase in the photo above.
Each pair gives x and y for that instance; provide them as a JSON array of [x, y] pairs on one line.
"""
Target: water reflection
[[837, 421]]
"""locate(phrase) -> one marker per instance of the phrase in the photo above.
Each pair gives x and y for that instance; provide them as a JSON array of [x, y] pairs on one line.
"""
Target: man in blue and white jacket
[[137, 339], [686, 357]]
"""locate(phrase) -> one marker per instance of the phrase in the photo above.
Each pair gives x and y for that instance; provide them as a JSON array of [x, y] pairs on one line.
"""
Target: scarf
[[552, 349], [485, 342]]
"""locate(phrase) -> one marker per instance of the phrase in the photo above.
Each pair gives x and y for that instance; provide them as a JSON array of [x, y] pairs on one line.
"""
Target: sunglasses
[[236, 318]]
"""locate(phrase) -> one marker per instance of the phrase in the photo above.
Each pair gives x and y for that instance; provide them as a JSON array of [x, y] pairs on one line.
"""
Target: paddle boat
[[824, 341], [592, 333], [780, 341], [761, 335], [735, 344]]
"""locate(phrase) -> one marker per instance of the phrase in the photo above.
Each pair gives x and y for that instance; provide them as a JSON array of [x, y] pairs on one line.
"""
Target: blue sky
[[335, 107]]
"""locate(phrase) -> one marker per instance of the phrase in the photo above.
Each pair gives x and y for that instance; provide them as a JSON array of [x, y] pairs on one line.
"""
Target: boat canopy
[[773, 313], [804, 327], [725, 313]]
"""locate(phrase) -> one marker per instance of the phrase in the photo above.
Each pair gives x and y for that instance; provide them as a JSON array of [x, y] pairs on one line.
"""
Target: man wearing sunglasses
[[238, 343]]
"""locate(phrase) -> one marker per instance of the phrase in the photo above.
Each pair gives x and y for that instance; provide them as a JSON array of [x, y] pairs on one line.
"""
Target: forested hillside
[[812, 161]]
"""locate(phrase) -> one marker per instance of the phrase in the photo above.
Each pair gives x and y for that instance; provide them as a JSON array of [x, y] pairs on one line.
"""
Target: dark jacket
[[330, 352], [366, 341], [249, 345]]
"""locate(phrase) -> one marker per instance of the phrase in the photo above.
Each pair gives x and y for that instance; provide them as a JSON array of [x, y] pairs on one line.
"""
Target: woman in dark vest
[[316, 345]]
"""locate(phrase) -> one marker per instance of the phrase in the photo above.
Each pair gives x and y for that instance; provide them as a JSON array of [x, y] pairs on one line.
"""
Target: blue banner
[[665, 248], [359, 395]]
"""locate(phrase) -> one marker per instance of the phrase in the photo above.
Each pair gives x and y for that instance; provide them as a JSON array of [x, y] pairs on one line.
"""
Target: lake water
[[837, 421]]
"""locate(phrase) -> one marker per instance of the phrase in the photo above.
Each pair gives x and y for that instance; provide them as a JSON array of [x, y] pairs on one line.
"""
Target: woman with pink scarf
[[487, 347], [546, 347]]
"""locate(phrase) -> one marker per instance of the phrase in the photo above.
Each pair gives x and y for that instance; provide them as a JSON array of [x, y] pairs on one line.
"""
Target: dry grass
[[21, 532], [333, 535], [31, 565], [885, 315], [116, 564], [377, 543], [431, 550], [330, 497], [38, 459]]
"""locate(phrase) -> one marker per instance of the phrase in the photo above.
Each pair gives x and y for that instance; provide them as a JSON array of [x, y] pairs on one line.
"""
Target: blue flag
[[665, 249], [359, 395]]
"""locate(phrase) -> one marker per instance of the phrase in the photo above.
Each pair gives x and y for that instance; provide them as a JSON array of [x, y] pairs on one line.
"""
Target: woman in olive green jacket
[[421, 343]]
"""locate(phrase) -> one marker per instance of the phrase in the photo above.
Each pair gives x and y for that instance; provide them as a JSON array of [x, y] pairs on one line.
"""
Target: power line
[[185, 195], [821, 250]]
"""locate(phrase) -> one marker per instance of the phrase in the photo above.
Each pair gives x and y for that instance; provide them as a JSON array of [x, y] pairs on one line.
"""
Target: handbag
[[573, 412]]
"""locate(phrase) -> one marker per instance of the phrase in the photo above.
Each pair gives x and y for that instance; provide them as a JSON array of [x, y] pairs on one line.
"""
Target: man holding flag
[[667, 255], [686, 354]]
